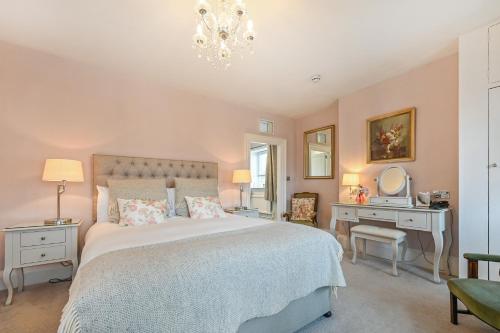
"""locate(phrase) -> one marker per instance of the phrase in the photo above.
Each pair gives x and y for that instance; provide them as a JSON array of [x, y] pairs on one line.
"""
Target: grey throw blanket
[[212, 283]]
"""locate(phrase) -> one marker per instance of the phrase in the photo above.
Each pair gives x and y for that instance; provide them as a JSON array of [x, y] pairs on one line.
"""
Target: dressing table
[[389, 207]]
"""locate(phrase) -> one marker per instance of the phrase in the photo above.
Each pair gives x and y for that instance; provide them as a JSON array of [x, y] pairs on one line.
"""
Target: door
[[494, 180], [494, 53]]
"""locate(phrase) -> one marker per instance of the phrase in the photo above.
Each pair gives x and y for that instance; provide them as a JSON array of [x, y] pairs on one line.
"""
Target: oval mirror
[[392, 180]]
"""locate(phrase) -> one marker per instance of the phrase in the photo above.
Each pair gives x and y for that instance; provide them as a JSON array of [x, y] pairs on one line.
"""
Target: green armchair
[[481, 297]]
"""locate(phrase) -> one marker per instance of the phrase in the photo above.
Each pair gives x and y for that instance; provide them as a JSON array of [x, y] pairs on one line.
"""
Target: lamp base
[[58, 221]]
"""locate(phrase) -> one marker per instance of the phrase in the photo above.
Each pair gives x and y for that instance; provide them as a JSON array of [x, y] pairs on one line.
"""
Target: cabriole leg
[[8, 284]]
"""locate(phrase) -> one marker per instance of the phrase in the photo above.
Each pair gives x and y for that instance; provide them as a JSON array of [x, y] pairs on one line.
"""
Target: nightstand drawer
[[42, 237], [29, 256]]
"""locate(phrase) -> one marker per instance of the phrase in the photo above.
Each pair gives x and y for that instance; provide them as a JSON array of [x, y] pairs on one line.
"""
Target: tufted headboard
[[121, 167]]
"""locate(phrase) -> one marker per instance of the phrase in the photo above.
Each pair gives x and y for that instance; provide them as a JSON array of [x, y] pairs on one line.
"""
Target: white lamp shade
[[242, 176], [350, 179], [57, 170]]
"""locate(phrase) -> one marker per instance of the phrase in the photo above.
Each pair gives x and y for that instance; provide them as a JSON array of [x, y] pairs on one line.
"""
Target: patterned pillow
[[204, 207], [136, 212], [192, 187], [134, 188], [302, 209]]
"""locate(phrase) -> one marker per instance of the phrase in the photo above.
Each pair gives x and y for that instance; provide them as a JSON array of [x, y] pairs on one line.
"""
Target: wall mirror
[[319, 153]]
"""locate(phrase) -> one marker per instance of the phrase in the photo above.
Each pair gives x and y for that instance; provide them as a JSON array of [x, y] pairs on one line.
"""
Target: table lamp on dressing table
[[351, 179]]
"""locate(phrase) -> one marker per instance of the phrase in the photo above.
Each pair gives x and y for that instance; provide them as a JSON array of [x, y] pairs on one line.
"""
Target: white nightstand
[[248, 212], [33, 244]]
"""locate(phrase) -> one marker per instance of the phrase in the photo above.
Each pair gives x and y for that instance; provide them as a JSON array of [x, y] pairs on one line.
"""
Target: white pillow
[[205, 207], [102, 204], [137, 212], [171, 201]]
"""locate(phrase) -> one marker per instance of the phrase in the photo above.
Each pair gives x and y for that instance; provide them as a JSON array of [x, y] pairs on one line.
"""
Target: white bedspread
[[244, 268], [107, 237]]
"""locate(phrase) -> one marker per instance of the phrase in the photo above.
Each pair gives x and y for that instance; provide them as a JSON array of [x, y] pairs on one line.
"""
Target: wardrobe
[[479, 147]]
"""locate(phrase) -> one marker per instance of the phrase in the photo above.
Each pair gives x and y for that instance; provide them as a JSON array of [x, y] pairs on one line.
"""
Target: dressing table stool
[[384, 235]]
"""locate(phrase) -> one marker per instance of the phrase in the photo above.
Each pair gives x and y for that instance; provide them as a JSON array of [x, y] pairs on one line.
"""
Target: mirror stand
[[393, 188]]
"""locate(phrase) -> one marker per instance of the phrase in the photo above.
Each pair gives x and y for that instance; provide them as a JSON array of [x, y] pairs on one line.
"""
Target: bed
[[233, 274]]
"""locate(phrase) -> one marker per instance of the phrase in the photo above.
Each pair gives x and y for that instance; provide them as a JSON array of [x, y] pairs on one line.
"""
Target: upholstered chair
[[481, 297], [304, 209]]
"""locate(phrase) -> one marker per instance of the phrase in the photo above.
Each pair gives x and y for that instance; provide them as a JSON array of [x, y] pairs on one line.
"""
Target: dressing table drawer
[[377, 214], [346, 213], [414, 220]]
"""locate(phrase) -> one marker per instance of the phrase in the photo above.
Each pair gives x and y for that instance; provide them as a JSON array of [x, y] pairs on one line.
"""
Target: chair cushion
[[378, 231], [303, 209], [481, 297], [308, 223]]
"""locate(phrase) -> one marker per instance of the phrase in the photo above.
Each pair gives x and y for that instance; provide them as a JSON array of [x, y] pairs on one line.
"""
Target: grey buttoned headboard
[[121, 167]]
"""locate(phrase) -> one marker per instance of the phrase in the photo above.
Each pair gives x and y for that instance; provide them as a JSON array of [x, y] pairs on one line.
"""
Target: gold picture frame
[[390, 137], [320, 139]]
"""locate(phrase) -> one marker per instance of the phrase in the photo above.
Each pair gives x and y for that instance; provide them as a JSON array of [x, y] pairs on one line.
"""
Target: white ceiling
[[351, 43]]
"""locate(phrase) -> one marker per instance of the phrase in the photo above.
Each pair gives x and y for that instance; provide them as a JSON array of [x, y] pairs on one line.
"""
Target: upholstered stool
[[384, 235]]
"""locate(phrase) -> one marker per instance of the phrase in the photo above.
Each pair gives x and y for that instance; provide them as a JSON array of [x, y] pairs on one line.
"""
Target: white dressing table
[[435, 221]]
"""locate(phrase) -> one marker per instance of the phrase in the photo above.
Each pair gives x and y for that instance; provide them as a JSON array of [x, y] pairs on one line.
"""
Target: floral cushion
[[204, 207], [136, 212], [302, 209]]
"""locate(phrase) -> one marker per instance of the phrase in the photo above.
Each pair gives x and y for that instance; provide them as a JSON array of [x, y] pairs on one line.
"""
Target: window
[[258, 162], [266, 126]]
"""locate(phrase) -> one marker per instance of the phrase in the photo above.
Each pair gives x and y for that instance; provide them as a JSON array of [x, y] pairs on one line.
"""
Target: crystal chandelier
[[223, 28]]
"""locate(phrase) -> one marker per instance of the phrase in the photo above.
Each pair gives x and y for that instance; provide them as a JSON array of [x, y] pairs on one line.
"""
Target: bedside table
[[248, 212], [34, 244]]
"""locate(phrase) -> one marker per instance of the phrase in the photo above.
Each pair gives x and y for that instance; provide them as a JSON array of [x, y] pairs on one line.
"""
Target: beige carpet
[[374, 301]]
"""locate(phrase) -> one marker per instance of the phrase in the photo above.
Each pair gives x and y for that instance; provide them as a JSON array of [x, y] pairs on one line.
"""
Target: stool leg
[[353, 246], [395, 257], [364, 248], [405, 248]]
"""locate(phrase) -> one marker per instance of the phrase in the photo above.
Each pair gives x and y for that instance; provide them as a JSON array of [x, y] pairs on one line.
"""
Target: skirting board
[[40, 274], [384, 251]]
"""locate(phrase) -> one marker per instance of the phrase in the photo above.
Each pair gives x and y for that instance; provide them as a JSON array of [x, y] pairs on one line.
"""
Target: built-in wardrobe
[[479, 147]]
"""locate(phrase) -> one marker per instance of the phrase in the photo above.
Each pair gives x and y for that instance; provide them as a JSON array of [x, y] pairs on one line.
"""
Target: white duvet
[[107, 237]]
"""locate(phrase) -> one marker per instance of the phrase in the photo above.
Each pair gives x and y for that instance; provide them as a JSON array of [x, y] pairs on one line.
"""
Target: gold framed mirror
[[319, 153]]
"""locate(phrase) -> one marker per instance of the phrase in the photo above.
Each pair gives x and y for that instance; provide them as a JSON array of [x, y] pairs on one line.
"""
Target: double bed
[[232, 274]]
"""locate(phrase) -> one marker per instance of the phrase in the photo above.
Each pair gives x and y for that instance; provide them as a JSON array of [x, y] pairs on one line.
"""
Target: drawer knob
[[374, 214], [346, 213], [42, 238], [42, 255], [411, 220]]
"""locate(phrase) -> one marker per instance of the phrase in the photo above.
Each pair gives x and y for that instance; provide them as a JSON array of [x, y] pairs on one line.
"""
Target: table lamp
[[61, 170], [241, 177], [350, 179]]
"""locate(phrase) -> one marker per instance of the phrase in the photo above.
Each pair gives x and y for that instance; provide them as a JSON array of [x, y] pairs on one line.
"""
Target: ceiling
[[351, 43]]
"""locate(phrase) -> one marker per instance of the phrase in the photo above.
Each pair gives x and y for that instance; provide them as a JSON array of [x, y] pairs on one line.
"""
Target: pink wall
[[433, 90], [327, 188], [50, 107]]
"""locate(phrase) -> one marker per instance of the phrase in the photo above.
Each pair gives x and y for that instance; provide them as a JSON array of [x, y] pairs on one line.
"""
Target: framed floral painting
[[391, 137]]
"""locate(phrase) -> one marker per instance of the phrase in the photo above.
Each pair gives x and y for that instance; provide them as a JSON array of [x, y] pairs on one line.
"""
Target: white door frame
[[281, 167]]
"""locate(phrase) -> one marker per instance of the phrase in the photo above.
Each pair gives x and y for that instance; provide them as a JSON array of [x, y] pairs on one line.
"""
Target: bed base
[[296, 315]]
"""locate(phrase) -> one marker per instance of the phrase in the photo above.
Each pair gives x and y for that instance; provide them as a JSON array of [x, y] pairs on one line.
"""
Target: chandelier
[[223, 29]]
